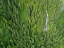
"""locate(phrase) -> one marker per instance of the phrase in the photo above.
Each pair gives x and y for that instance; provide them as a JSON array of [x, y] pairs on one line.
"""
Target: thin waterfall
[[46, 23]]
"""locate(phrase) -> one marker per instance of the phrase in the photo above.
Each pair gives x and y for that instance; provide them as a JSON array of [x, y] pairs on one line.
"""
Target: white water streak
[[46, 23]]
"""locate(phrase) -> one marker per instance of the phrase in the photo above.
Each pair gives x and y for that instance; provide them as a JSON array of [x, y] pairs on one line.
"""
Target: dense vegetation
[[23, 24]]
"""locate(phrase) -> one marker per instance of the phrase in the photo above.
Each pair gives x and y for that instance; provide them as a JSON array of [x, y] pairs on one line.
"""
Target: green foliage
[[22, 24]]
